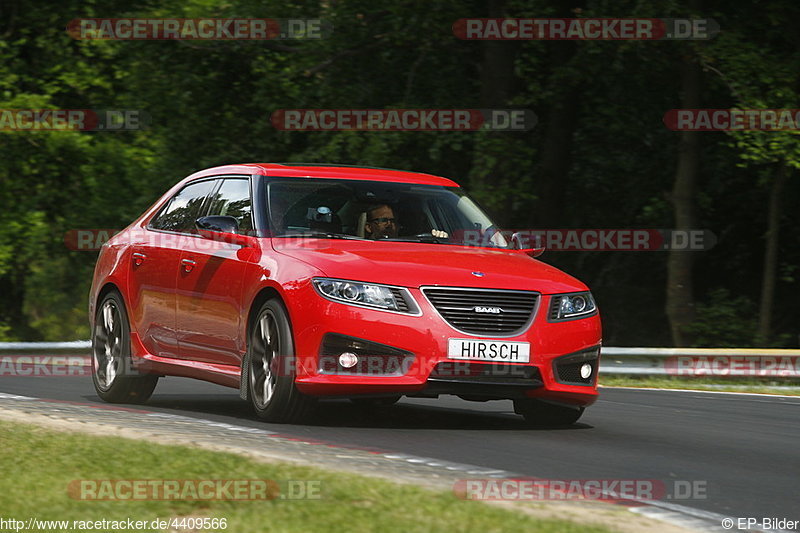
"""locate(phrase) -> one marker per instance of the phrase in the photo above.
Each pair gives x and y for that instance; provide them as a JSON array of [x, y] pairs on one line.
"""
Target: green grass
[[762, 386], [37, 465]]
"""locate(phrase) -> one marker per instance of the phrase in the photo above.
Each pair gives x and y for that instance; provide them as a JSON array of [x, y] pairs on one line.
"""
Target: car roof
[[326, 170]]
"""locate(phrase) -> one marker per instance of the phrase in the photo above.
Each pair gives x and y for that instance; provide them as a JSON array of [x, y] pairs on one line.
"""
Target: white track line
[[5, 396], [758, 394]]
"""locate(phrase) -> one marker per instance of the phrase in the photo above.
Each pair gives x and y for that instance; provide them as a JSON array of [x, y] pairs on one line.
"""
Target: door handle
[[138, 258], [188, 264]]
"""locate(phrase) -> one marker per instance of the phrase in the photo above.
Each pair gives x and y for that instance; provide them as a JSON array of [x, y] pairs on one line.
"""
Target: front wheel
[[542, 414], [114, 379], [269, 366]]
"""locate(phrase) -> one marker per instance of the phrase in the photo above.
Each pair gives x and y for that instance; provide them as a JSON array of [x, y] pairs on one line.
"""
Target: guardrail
[[701, 362], [50, 348], [691, 362], [45, 359]]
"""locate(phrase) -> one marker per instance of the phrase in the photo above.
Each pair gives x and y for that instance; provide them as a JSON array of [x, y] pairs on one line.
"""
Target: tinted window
[[421, 213], [233, 200], [184, 208]]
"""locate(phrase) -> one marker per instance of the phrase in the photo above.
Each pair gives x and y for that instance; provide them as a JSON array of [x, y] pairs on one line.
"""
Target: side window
[[233, 200], [184, 208]]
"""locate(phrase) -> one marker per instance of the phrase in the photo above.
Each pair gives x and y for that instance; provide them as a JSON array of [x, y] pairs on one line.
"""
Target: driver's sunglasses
[[383, 220]]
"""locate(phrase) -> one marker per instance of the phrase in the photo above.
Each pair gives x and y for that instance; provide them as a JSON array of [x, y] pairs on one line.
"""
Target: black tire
[[270, 368], [375, 402], [114, 378], [542, 414]]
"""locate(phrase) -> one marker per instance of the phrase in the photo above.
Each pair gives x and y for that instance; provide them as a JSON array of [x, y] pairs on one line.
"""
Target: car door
[[210, 280], [155, 256]]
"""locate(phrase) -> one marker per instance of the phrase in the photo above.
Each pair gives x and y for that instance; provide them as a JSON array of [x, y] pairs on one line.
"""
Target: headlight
[[569, 306], [366, 294]]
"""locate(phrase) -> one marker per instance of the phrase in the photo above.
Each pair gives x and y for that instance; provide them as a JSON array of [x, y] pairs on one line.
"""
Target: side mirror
[[528, 244], [223, 229]]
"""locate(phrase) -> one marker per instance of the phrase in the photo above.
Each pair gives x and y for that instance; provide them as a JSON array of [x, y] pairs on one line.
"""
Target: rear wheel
[[270, 368], [538, 413], [114, 378]]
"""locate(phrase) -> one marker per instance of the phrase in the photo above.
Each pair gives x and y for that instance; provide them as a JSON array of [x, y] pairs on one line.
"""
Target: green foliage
[[724, 320], [54, 461], [210, 103]]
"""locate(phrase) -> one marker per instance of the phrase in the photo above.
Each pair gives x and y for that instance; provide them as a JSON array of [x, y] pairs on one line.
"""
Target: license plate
[[486, 350]]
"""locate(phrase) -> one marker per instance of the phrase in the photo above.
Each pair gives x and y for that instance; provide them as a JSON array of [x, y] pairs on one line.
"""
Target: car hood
[[418, 264]]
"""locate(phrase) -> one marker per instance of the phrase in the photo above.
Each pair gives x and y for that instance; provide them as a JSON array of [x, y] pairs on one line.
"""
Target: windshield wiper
[[322, 235], [430, 239], [423, 237]]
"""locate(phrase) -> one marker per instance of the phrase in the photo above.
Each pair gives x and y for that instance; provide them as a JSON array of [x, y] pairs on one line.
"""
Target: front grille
[[506, 312], [478, 381], [399, 297], [555, 303], [470, 372]]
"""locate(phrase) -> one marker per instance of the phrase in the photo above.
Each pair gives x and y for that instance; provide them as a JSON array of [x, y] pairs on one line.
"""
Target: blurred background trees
[[600, 156]]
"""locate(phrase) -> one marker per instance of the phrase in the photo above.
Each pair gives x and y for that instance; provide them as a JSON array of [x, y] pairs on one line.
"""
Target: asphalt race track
[[744, 448]]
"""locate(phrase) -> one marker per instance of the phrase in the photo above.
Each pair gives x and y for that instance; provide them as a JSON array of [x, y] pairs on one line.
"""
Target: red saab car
[[295, 282]]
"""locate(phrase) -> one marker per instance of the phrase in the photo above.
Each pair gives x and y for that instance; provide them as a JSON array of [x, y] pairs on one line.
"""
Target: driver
[[381, 223]]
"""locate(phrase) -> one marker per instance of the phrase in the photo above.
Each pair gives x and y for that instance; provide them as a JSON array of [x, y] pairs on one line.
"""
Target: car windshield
[[377, 210]]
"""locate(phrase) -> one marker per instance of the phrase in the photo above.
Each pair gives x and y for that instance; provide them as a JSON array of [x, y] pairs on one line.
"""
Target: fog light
[[348, 360], [586, 370]]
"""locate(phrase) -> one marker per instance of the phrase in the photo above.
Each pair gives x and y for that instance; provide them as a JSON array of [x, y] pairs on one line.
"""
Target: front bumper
[[426, 370]]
